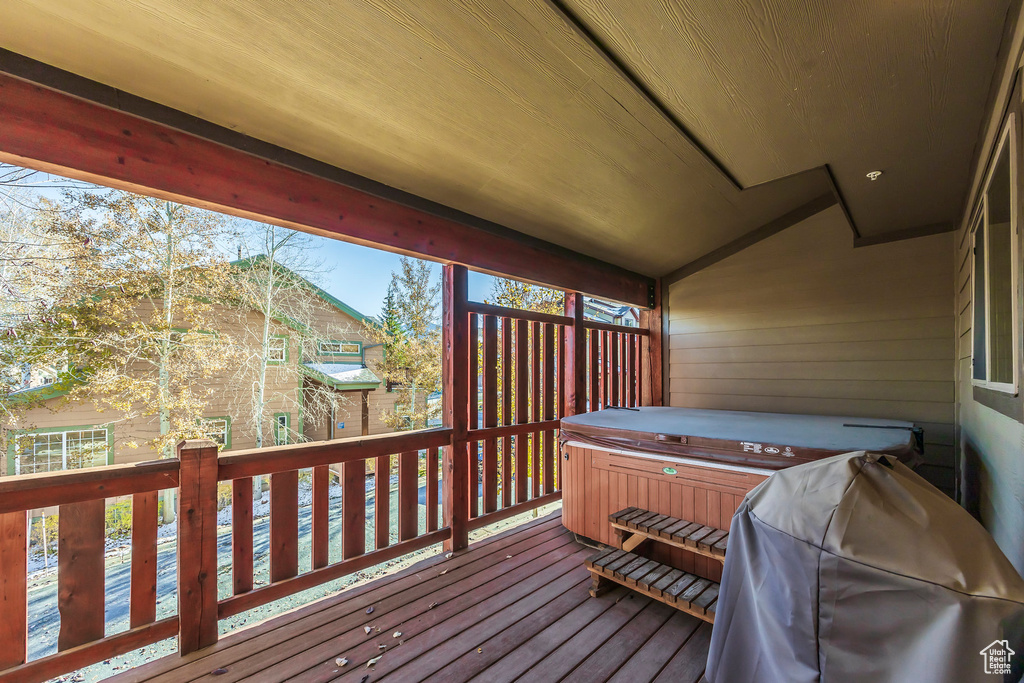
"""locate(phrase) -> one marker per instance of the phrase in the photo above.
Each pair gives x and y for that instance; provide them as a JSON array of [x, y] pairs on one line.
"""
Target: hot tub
[[698, 464]]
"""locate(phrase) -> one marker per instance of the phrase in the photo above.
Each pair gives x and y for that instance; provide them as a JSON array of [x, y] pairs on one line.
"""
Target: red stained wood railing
[[517, 370], [13, 589]]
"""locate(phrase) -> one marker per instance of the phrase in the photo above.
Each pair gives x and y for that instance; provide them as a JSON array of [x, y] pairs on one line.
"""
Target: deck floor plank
[[512, 607]]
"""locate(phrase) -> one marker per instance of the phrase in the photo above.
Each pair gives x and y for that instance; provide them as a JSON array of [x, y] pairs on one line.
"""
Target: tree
[[130, 322], [412, 338], [275, 281], [523, 295]]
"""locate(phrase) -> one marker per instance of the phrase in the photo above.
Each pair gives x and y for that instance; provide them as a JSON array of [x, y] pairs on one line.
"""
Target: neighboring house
[[73, 436], [605, 312]]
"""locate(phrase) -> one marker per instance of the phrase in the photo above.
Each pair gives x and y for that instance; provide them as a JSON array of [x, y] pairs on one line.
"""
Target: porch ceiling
[[507, 111]]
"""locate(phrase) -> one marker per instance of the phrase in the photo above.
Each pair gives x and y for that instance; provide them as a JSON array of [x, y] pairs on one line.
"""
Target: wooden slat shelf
[[634, 525], [686, 592]]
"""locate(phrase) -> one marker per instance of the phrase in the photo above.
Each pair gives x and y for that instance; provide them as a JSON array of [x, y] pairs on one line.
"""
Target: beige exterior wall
[[231, 394], [804, 323]]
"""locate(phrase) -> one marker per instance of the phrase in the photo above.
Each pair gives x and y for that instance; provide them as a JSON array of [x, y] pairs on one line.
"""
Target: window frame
[[227, 429], [340, 342], [981, 221], [287, 428], [14, 454], [274, 361]]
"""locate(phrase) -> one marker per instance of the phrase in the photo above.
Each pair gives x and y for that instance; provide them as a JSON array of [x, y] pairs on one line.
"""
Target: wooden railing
[[509, 376], [81, 496]]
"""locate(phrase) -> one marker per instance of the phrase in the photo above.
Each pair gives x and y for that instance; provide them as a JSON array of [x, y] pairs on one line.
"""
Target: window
[[995, 271], [340, 348], [219, 430], [53, 451], [277, 349], [282, 427]]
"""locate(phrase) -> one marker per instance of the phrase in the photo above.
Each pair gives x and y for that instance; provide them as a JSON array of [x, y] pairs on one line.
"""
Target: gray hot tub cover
[[853, 568]]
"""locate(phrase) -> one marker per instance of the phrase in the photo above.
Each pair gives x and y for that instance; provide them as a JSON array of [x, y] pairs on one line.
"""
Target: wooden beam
[[905, 234], [455, 378], [789, 219], [158, 151]]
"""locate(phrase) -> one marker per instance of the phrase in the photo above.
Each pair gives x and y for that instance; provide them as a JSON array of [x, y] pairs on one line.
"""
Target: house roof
[[342, 375], [647, 135], [334, 301]]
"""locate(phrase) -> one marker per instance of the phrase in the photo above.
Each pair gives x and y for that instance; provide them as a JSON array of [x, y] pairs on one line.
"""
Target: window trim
[[287, 344], [227, 428], [1007, 137], [340, 342], [14, 458], [287, 427]]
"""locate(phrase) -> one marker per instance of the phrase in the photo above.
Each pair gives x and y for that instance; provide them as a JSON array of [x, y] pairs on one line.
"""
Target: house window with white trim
[[53, 451], [996, 358], [282, 427], [218, 429], [277, 349]]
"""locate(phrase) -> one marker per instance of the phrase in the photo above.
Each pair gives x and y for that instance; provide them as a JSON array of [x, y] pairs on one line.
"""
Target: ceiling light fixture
[[874, 175]]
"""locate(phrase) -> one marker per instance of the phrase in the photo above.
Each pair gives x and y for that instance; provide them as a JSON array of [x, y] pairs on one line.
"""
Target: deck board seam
[[323, 632], [265, 627]]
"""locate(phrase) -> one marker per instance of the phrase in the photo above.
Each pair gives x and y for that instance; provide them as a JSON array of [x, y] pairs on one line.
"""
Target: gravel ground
[[44, 619]]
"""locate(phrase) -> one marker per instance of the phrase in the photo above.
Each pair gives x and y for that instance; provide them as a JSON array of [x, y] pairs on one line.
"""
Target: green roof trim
[[334, 301]]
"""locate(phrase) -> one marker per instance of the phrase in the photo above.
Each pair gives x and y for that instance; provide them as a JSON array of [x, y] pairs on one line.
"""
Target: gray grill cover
[[846, 569]]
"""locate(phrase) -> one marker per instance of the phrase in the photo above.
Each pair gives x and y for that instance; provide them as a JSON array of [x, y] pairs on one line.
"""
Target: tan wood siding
[[804, 323]]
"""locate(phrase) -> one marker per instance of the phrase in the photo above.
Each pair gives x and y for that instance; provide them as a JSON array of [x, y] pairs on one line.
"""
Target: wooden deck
[[512, 607]]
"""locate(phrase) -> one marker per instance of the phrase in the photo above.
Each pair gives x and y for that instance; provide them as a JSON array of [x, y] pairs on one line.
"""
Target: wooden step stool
[[686, 592]]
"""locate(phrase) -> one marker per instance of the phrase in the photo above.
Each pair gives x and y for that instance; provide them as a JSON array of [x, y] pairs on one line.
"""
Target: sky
[[357, 275]]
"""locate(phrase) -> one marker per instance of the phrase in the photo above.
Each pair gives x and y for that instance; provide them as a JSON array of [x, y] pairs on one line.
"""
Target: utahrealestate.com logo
[[997, 657]]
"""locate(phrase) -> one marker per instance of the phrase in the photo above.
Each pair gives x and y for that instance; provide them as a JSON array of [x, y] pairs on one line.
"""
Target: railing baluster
[[506, 410], [80, 579], [614, 372], [522, 406], [13, 589], [197, 546], [549, 408], [604, 374], [353, 508], [408, 495], [142, 603], [432, 470], [633, 354], [320, 543], [382, 501], [474, 415], [241, 535], [284, 525], [535, 399], [595, 372], [490, 377]]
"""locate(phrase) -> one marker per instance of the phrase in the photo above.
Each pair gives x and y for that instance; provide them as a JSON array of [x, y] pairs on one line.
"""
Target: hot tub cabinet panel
[[597, 483], [698, 465]]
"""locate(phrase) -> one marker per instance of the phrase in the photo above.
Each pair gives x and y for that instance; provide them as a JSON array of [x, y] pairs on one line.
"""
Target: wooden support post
[[142, 603], [651, 368], [197, 546], [13, 589], [455, 374], [575, 357]]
